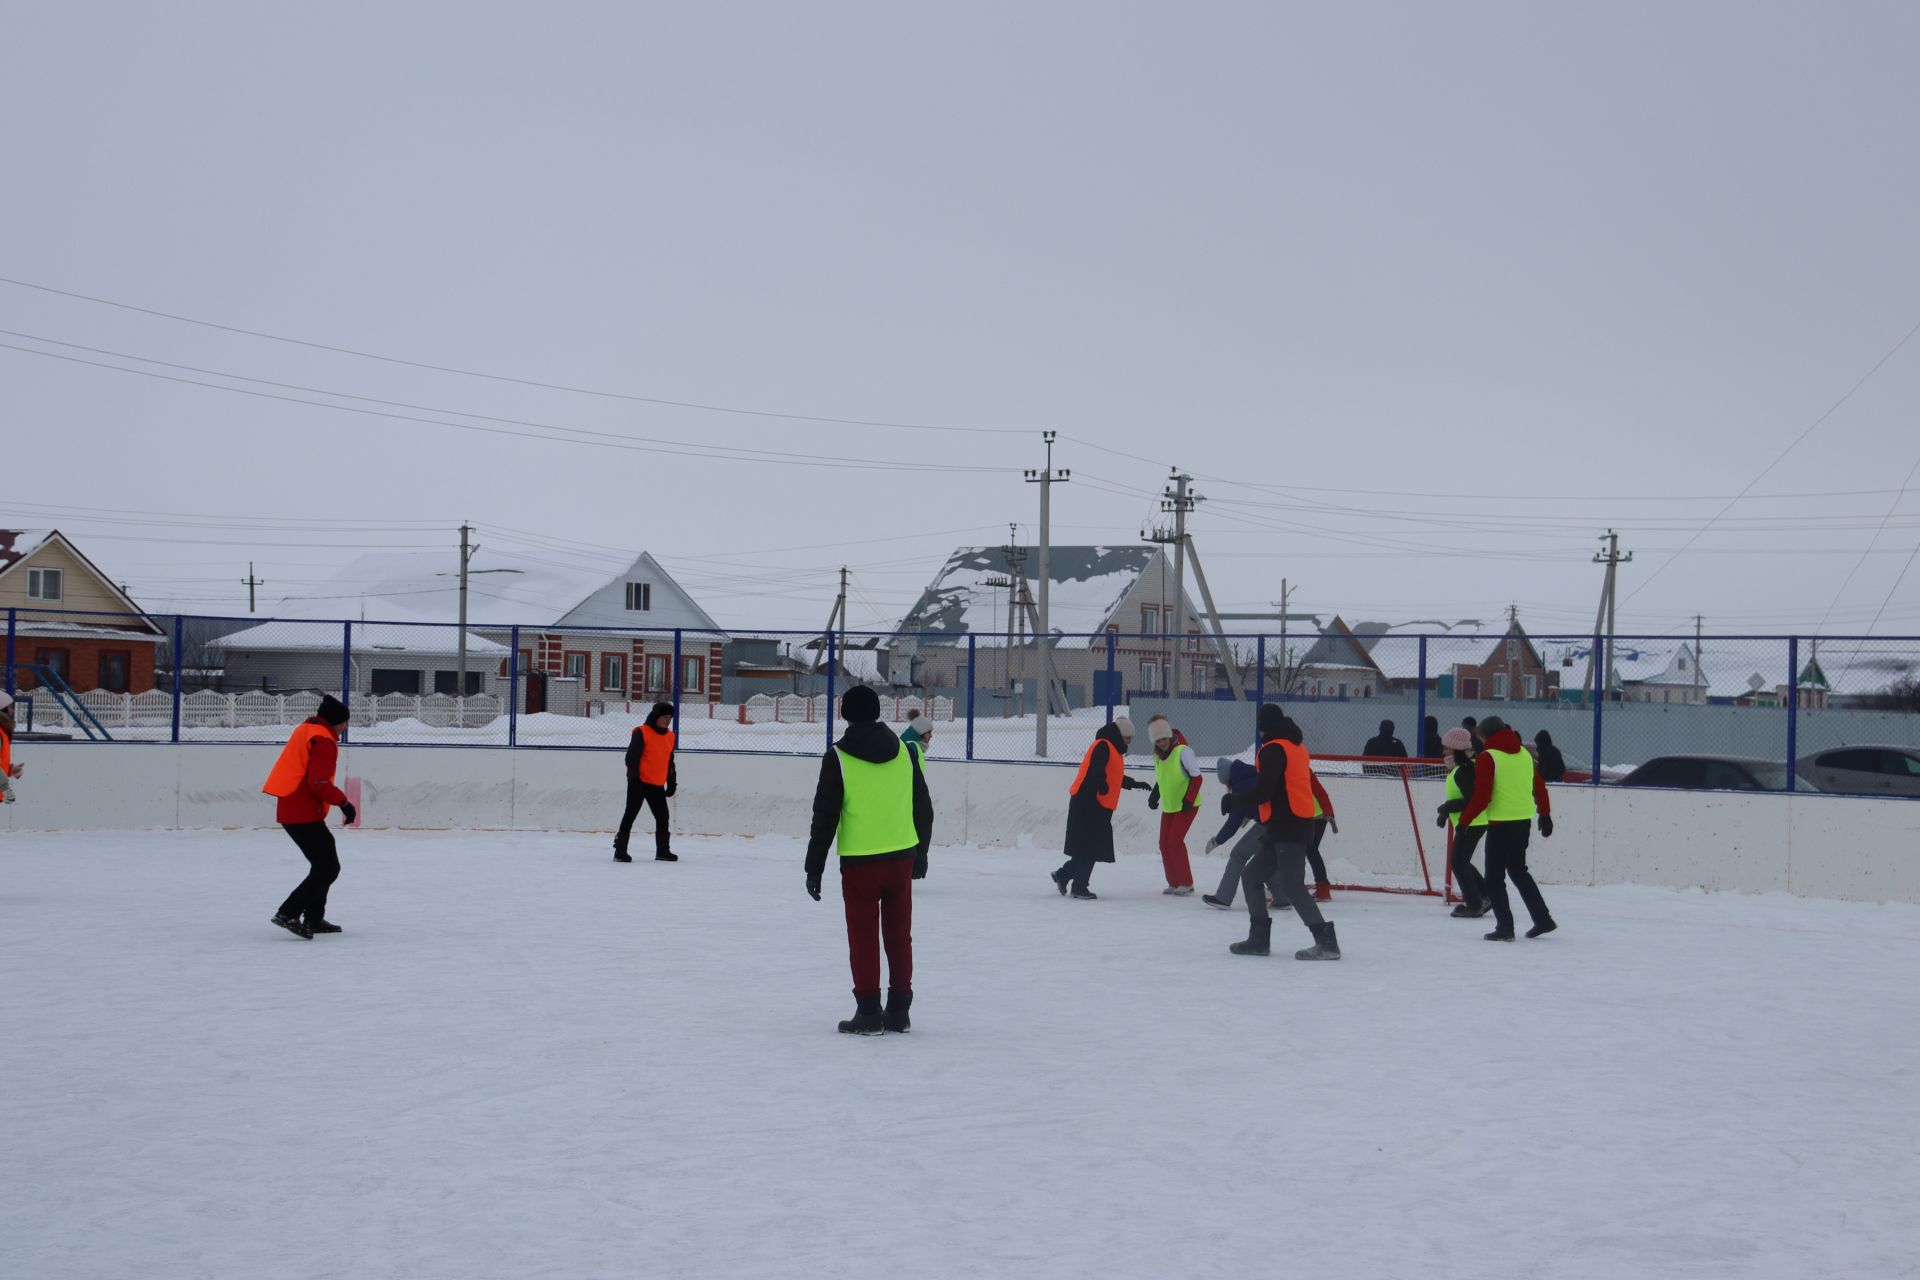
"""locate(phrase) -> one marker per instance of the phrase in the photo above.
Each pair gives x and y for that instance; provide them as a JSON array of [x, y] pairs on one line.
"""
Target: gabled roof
[[1088, 584], [17, 545]]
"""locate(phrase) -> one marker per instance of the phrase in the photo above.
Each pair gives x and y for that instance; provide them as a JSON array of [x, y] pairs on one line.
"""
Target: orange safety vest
[[1111, 800], [653, 759], [6, 752], [290, 770], [1299, 780]]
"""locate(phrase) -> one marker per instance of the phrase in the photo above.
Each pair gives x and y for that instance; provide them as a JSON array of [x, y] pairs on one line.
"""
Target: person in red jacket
[[302, 782], [1508, 788], [651, 779]]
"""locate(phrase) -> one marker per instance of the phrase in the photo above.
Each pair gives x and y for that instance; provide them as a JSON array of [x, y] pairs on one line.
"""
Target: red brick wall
[[83, 660]]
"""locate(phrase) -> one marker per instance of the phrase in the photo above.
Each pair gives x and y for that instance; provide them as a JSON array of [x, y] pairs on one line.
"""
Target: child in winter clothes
[[1176, 793], [1238, 775], [1474, 902], [919, 732]]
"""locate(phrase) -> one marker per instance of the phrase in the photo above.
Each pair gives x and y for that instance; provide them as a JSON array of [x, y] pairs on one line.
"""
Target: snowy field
[[523, 1060]]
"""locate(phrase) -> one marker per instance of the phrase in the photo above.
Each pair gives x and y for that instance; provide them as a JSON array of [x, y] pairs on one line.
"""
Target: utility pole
[[1286, 657], [836, 618], [466, 556], [1213, 614], [1179, 502], [1513, 674], [1046, 479], [250, 584], [1699, 678], [1613, 560]]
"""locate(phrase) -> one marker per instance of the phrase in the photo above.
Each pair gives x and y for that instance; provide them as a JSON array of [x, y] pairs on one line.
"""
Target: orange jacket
[[302, 778]]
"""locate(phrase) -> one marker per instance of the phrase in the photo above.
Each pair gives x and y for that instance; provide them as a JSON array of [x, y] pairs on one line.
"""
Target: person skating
[[919, 732], [1238, 775], [1094, 795], [651, 780], [1176, 793], [872, 799], [302, 782], [1282, 800], [1509, 790], [1474, 901], [8, 769]]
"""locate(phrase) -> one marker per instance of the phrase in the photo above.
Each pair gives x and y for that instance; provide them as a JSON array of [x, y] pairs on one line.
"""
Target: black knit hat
[[860, 706], [332, 710], [659, 709], [1272, 721]]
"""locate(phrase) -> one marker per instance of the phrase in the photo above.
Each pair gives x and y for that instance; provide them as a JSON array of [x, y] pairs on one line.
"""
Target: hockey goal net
[[1387, 841]]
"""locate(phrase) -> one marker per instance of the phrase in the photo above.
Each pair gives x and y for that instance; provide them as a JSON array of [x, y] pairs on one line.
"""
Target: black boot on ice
[[898, 1002], [1259, 939], [293, 926], [1500, 935], [620, 853], [1545, 926], [1325, 945], [867, 1020], [322, 926], [1060, 881]]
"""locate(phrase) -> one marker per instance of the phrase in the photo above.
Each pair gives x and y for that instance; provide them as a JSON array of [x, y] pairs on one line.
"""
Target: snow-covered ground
[[523, 1060]]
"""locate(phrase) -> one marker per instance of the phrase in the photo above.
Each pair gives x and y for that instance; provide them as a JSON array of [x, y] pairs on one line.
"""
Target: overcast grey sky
[[1459, 285]]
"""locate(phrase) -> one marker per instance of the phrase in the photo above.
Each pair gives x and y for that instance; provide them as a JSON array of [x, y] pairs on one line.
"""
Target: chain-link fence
[[1833, 713]]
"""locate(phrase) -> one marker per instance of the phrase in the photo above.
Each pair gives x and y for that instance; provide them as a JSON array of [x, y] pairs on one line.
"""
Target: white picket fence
[[207, 709], [793, 708]]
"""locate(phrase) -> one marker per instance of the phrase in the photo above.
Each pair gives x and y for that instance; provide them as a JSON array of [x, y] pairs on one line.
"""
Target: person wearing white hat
[[8, 769], [1176, 793], [1095, 794], [1474, 902]]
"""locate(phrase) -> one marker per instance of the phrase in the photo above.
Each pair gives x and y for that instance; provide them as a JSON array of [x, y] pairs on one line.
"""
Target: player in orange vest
[[650, 780], [8, 769], [302, 782], [1282, 801], [1095, 795]]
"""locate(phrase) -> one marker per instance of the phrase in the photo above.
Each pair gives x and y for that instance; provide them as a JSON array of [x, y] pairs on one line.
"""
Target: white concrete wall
[[1811, 845]]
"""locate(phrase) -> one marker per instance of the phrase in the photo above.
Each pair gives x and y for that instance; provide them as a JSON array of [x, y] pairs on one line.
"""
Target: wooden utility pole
[[1046, 479], [1604, 617], [250, 583], [466, 557], [1178, 502]]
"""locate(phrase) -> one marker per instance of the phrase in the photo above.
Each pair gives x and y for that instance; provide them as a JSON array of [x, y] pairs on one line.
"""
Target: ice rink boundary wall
[[1849, 848]]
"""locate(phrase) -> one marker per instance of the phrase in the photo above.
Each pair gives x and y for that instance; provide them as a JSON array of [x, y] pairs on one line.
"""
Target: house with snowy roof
[[1370, 659], [1094, 592], [583, 635], [70, 622]]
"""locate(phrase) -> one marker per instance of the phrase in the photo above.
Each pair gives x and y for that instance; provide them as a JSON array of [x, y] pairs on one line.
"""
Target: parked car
[[1869, 770], [1715, 773]]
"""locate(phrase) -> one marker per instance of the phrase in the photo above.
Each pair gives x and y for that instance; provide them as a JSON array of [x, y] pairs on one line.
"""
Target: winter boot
[[1088, 894], [867, 1019], [898, 1002], [322, 926], [293, 926], [1259, 939], [1177, 890], [1215, 901], [666, 856], [620, 853], [1325, 945], [1060, 881], [1545, 926], [1472, 910], [1500, 935], [1322, 891]]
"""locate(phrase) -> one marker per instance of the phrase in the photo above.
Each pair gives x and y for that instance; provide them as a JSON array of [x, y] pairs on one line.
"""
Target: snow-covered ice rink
[[524, 1060]]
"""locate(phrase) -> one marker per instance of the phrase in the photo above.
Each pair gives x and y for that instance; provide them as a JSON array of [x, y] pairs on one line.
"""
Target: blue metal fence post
[[833, 661], [179, 657], [12, 617], [1112, 673], [973, 661], [1793, 705], [1599, 700], [513, 688], [346, 675], [676, 678], [1420, 714]]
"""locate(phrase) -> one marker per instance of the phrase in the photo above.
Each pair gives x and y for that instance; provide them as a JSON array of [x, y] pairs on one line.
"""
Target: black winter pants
[[1473, 889], [1285, 867], [309, 897], [1313, 852], [1507, 859], [655, 798]]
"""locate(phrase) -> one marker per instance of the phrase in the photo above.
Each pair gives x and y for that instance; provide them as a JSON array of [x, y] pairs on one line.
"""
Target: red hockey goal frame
[[1387, 769]]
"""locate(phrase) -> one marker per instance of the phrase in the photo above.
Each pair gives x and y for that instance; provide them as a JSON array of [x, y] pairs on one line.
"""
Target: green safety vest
[[1453, 793], [876, 807], [1512, 787], [1173, 780]]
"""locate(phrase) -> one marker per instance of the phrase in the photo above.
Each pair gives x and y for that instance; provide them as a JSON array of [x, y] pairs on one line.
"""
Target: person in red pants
[[1176, 793], [872, 801]]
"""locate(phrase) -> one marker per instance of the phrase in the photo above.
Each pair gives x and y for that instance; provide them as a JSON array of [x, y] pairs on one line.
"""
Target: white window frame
[[1532, 686], [613, 673], [1499, 685], [46, 584], [572, 660], [642, 592], [693, 673]]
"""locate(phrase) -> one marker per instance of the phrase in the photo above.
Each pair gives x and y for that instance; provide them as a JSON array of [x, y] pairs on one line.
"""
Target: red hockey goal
[[1384, 807]]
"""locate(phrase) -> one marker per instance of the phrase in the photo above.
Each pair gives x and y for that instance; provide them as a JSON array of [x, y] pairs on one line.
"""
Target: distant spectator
[[1430, 748], [1472, 727], [919, 731], [1553, 765], [1385, 744]]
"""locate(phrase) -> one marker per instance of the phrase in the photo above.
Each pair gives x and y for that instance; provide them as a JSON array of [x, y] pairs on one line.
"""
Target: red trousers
[[879, 897], [1173, 846]]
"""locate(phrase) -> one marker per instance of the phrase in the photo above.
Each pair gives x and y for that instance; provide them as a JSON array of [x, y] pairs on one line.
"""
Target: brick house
[[1370, 660], [68, 619]]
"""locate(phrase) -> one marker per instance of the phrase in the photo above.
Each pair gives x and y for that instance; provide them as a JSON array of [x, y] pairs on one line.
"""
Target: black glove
[[348, 812], [1443, 819], [813, 887], [1226, 803], [671, 788], [1153, 798], [1546, 826], [920, 865]]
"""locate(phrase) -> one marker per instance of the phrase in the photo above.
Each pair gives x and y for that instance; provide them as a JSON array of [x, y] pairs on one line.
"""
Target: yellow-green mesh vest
[[1173, 781], [1512, 787], [876, 806], [1453, 793]]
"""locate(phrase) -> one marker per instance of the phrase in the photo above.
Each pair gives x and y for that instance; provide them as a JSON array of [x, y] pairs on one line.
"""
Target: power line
[[498, 377]]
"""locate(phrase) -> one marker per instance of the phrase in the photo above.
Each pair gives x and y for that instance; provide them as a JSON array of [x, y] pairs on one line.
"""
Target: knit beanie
[[6, 700], [1125, 726], [332, 710], [1158, 728], [1456, 740], [861, 705], [1271, 721]]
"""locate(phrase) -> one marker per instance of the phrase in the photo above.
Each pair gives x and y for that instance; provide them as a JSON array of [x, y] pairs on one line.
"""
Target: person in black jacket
[[1474, 901], [1384, 743], [1553, 765], [1093, 796], [1430, 748], [1280, 857], [651, 779], [861, 803]]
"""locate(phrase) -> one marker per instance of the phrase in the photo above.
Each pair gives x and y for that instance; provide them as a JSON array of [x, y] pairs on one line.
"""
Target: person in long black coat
[[1093, 798]]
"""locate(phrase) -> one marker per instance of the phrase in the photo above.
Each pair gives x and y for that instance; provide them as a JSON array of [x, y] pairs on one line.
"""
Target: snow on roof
[[286, 635], [17, 544], [1087, 585]]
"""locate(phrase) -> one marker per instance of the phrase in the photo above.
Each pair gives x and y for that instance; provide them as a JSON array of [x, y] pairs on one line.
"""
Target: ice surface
[[523, 1060]]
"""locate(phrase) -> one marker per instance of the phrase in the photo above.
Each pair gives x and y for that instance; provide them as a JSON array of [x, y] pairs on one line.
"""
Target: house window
[[1683, 662], [1343, 688], [1533, 687], [46, 584], [448, 682], [693, 672], [576, 667], [116, 665], [1513, 650], [386, 680], [613, 672], [57, 661], [639, 597], [1149, 677], [658, 667], [1202, 676], [1499, 684], [1150, 619]]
